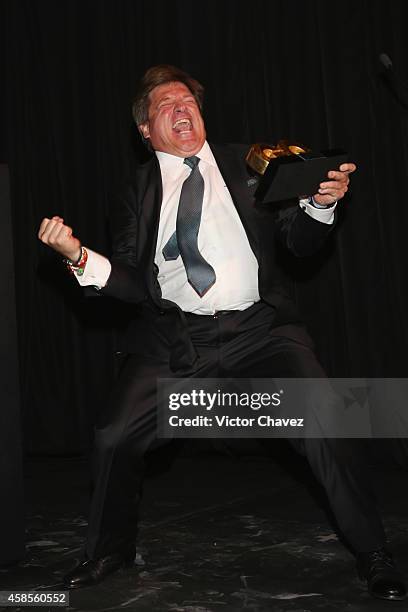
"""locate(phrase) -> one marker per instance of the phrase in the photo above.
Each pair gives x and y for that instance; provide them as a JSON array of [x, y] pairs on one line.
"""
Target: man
[[195, 255]]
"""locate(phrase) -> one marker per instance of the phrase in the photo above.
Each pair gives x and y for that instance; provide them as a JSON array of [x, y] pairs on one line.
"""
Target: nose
[[180, 107]]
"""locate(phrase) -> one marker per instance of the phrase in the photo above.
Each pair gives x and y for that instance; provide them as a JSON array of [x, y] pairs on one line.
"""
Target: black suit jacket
[[159, 325]]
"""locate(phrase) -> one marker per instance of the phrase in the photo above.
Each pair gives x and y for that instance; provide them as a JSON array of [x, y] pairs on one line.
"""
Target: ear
[[144, 129]]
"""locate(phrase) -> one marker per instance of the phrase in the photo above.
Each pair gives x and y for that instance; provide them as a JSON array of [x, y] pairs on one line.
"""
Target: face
[[175, 124]]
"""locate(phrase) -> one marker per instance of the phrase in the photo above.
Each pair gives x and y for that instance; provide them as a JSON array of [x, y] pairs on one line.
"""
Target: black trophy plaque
[[291, 170]]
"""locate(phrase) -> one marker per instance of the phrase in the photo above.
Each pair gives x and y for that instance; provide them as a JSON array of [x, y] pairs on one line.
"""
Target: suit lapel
[[150, 191]]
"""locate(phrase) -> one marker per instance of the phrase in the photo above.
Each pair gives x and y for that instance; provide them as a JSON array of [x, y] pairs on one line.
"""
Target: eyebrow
[[171, 97]]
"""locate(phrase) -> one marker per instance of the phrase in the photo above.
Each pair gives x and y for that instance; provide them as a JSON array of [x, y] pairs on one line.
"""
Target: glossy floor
[[223, 530]]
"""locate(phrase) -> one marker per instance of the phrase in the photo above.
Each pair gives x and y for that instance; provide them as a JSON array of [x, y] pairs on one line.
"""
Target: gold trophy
[[290, 169]]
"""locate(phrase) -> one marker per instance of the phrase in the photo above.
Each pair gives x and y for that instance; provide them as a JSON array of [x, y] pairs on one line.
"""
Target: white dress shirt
[[222, 242]]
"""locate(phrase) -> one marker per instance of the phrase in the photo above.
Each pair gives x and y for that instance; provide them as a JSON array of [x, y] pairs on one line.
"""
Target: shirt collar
[[166, 160]]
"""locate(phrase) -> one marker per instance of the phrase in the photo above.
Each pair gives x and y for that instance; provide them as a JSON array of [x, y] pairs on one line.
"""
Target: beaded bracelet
[[78, 268]]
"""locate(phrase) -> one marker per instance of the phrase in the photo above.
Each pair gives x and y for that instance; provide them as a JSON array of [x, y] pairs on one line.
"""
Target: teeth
[[181, 123]]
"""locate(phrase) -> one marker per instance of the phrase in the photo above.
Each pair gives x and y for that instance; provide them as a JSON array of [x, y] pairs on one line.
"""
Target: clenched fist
[[59, 237]]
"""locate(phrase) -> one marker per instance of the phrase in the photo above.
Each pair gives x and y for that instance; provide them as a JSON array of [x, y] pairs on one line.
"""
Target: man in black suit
[[195, 255]]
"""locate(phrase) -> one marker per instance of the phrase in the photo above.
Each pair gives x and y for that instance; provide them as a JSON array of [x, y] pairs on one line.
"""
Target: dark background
[[306, 70]]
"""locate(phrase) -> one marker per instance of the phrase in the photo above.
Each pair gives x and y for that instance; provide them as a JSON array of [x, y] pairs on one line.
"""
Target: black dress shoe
[[383, 579], [92, 571]]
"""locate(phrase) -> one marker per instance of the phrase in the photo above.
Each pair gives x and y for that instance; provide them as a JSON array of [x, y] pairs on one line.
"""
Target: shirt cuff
[[323, 214], [96, 272]]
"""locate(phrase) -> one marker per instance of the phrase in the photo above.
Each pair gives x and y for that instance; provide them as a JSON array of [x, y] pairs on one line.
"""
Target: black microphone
[[385, 60], [398, 87]]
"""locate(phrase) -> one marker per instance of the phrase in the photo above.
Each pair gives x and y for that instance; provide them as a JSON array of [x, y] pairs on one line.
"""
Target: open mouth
[[182, 125]]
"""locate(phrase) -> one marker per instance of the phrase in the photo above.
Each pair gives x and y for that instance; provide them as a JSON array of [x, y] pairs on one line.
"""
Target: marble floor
[[222, 531]]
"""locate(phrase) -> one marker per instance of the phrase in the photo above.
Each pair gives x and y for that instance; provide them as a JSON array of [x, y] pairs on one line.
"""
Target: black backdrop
[[303, 69]]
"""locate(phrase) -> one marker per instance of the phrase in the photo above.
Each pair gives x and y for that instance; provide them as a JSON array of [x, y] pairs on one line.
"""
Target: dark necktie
[[200, 274]]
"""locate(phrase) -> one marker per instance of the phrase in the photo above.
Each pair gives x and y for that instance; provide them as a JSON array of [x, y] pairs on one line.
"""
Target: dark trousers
[[237, 344]]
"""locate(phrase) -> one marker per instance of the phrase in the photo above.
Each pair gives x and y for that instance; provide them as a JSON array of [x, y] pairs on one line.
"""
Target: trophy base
[[292, 176]]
